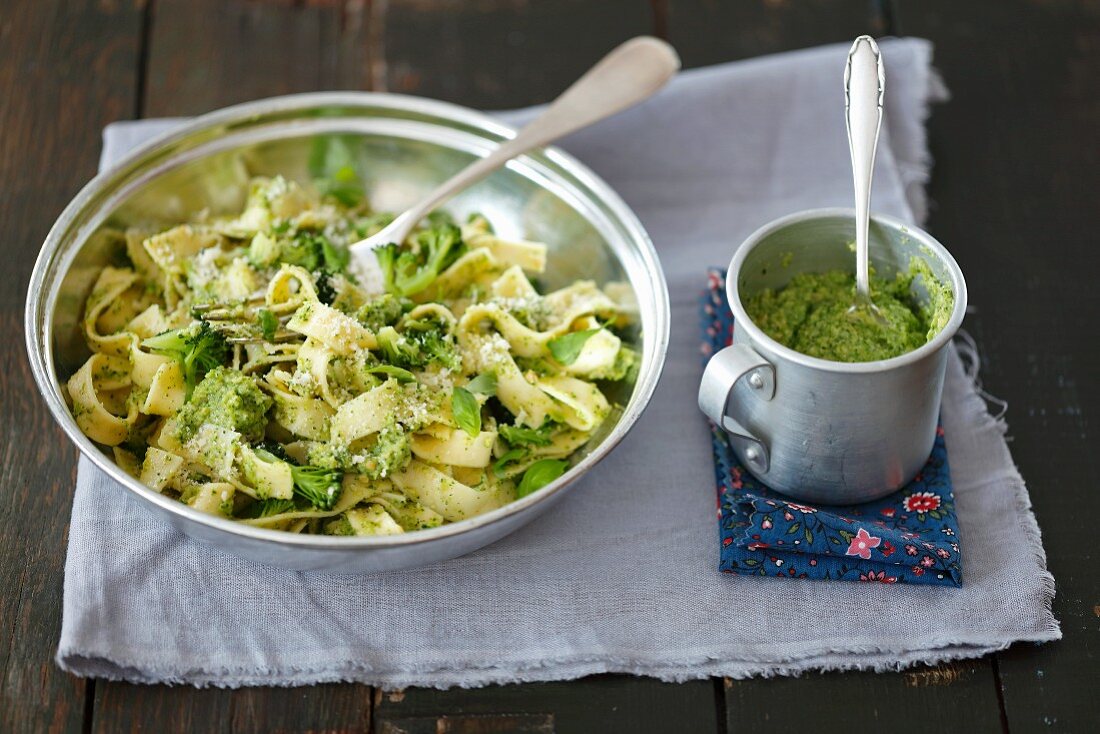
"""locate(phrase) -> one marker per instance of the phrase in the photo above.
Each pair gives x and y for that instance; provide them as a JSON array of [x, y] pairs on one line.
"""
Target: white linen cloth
[[622, 575]]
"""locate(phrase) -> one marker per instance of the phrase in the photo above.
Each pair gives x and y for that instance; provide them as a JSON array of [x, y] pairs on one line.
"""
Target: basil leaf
[[336, 258], [567, 348], [332, 165], [519, 436], [509, 456], [466, 411], [268, 323], [483, 384], [539, 474], [401, 374]]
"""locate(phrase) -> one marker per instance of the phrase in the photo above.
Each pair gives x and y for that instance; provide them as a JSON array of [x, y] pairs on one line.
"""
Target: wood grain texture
[[497, 54], [329, 708], [67, 67], [206, 54], [957, 696], [604, 703], [1015, 185], [714, 31]]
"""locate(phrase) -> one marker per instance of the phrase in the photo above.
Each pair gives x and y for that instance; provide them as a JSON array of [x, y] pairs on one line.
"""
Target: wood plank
[[327, 708], [708, 32], [497, 54], [67, 68], [156, 709], [715, 31], [595, 704], [1015, 191], [206, 54], [957, 696]]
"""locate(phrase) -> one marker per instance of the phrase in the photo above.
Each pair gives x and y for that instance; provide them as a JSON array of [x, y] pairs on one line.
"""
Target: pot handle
[[720, 377]]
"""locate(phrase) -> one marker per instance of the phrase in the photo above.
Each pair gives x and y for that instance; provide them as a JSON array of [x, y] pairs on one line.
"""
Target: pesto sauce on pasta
[[239, 365]]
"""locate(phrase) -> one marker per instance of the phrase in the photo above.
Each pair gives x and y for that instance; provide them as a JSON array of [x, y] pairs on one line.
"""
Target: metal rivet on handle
[[756, 380], [751, 453]]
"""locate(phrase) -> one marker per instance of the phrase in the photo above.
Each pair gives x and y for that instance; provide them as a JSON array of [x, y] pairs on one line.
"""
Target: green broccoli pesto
[[389, 454], [229, 399], [626, 366], [812, 314]]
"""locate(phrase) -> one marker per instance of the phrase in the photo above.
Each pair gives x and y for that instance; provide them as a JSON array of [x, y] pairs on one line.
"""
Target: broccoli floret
[[439, 218], [304, 250], [418, 348], [197, 348], [229, 399], [385, 310], [314, 251], [407, 271], [270, 507], [318, 486], [397, 349], [439, 349], [387, 256]]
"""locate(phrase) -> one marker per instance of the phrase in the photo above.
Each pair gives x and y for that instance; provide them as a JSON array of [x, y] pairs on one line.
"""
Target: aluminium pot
[[830, 432]]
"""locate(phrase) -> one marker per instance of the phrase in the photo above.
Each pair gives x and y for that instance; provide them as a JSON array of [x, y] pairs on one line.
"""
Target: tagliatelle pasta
[[238, 366]]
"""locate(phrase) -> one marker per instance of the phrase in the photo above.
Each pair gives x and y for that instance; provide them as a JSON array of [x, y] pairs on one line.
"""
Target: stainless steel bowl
[[407, 145]]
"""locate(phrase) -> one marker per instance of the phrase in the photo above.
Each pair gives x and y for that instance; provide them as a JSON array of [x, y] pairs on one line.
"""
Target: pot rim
[[758, 337]]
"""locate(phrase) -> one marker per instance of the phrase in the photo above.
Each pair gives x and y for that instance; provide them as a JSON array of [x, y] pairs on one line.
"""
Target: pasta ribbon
[[530, 256], [301, 416], [108, 289], [99, 374], [443, 494], [365, 415], [160, 468], [167, 391], [457, 448], [337, 331]]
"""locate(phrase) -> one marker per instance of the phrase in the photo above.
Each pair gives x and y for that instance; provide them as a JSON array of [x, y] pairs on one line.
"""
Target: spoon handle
[[626, 76], [864, 84]]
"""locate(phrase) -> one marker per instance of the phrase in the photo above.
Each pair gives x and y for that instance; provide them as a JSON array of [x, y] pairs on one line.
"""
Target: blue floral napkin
[[911, 536]]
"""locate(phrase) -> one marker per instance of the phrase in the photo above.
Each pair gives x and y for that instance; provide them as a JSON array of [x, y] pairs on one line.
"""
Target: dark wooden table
[[1015, 189]]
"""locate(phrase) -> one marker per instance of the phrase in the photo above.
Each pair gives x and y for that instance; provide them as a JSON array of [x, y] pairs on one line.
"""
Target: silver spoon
[[864, 85], [626, 76]]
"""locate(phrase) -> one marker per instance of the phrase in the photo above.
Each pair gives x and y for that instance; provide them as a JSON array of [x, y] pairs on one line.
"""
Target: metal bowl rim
[[603, 194], [741, 317]]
